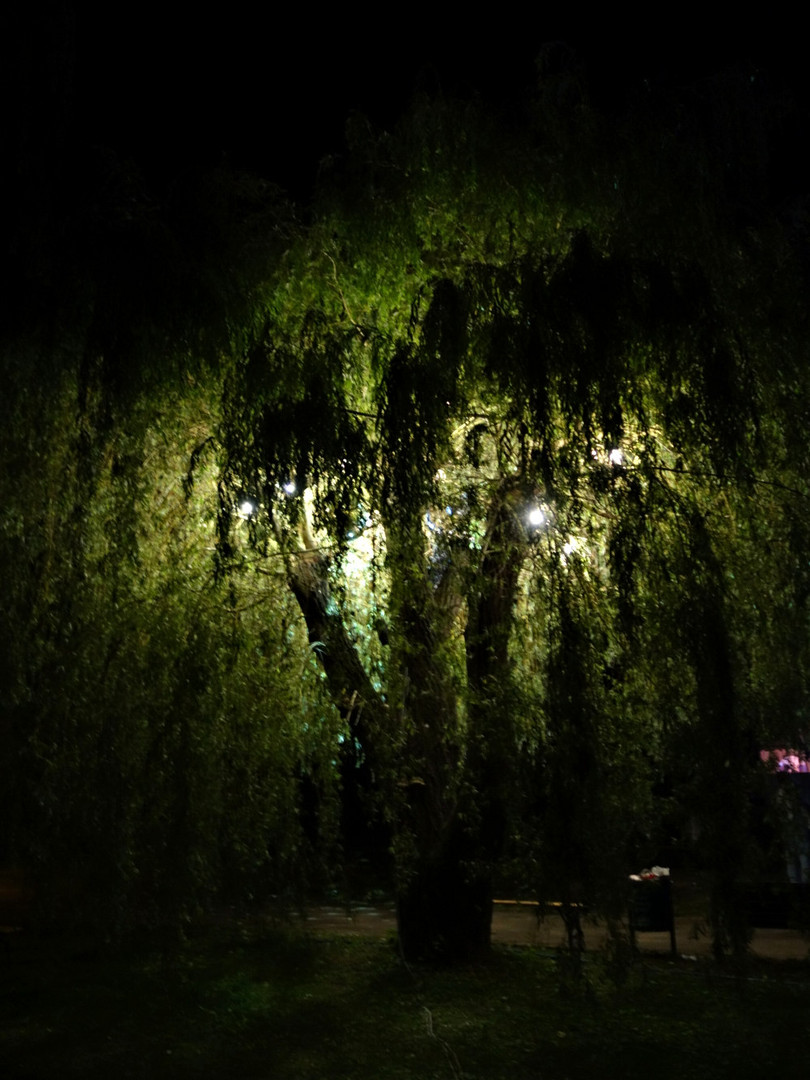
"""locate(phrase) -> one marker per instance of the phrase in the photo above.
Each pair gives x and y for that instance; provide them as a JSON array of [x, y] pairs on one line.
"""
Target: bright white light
[[570, 546], [616, 456], [246, 508], [536, 517], [290, 488]]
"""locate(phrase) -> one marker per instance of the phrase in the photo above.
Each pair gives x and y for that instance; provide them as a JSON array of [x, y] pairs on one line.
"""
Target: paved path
[[517, 924]]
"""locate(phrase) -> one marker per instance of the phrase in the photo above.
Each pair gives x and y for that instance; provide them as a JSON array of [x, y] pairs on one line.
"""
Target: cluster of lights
[[248, 507], [536, 516]]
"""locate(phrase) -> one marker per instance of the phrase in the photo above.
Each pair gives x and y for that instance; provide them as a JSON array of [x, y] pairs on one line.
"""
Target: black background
[[269, 88]]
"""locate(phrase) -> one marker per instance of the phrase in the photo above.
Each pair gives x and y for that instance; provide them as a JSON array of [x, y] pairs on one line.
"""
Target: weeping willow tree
[[506, 454], [518, 425]]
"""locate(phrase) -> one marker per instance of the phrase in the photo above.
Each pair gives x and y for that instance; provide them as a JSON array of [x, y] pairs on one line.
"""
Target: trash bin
[[650, 904]]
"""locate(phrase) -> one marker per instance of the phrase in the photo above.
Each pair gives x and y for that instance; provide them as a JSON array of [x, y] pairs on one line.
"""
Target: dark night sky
[[270, 88]]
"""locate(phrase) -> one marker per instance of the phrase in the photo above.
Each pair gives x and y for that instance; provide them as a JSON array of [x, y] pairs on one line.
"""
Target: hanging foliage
[[548, 377]]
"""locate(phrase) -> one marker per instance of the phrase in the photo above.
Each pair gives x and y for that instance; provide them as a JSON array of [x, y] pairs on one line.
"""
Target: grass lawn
[[278, 1004]]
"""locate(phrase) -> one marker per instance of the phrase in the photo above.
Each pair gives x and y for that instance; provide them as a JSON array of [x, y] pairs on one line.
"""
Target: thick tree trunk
[[490, 609], [454, 829], [445, 905], [444, 911]]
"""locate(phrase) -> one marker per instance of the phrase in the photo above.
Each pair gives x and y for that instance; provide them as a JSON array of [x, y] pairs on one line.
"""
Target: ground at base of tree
[[281, 1003], [517, 923]]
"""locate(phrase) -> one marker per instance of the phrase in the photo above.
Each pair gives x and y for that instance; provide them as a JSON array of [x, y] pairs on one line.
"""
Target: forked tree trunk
[[444, 901]]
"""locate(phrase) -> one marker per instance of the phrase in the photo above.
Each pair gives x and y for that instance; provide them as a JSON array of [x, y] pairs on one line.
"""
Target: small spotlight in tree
[[247, 508]]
